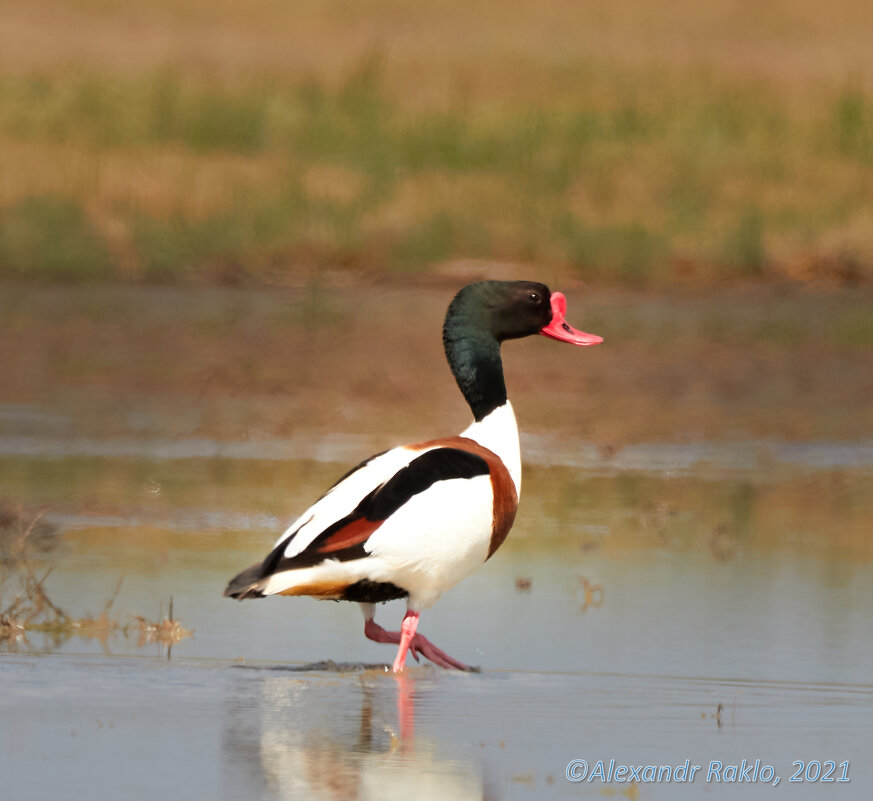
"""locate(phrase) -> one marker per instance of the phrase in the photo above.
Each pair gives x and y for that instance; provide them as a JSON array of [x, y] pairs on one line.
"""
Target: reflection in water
[[135, 729], [291, 735]]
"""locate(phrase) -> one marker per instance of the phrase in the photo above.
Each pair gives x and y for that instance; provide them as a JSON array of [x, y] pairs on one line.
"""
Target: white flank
[[435, 539], [499, 433]]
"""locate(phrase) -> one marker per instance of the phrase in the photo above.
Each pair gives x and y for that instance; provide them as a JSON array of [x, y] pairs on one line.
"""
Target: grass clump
[[744, 242], [26, 608], [50, 238], [105, 112], [853, 124]]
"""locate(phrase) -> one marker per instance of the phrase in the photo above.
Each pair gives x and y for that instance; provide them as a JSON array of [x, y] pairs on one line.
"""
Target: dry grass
[[26, 608], [494, 48], [166, 182], [257, 141], [168, 631]]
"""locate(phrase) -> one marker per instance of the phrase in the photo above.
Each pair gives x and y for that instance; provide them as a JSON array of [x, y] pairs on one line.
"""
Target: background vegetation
[[627, 142]]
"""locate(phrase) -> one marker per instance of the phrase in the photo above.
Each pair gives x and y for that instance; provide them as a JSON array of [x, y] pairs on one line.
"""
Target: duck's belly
[[436, 539]]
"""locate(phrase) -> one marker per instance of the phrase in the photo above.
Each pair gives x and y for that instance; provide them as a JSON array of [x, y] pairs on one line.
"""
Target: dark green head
[[483, 315], [500, 309]]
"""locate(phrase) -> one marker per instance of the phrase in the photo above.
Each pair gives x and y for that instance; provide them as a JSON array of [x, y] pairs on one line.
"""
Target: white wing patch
[[343, 498]]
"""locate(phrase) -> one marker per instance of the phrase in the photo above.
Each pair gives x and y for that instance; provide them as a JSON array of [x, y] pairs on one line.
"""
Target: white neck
[[498, 431]]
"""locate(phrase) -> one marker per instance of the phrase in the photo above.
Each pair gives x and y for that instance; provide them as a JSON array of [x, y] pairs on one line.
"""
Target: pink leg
[[407, 632], [418, 644]]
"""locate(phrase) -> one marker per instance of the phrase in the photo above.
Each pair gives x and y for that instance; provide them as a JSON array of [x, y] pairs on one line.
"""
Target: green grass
[[743, 246], [51, 238], [853, 124], [618, 181]]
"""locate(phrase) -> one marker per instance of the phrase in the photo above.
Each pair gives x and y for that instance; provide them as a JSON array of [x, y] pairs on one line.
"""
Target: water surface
[[639, 616], [690, 576]]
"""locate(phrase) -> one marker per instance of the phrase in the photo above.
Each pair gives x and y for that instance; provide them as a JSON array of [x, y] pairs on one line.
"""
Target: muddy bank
[[745, 364]]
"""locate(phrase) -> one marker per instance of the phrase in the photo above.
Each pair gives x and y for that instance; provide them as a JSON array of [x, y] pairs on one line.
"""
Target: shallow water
[[665, 596], [145, 728], [643, 616]]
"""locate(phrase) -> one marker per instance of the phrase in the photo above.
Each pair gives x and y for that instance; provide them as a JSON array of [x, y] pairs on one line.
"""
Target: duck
[[413, 521]]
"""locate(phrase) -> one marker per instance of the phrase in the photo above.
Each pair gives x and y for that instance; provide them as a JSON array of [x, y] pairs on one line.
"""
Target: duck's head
[[485, 314], [514, 309]]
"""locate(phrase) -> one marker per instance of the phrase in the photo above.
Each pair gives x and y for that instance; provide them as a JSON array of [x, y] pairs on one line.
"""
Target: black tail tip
[[245, 585], [242, 594]]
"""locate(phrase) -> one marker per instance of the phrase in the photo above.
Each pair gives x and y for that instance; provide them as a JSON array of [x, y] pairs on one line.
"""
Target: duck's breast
[[436, 538]]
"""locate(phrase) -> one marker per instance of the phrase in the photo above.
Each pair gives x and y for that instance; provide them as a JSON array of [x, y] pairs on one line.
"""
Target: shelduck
[[413, 521]]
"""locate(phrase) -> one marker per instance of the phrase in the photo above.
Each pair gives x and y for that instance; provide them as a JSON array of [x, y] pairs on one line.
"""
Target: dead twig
[[31, 608]]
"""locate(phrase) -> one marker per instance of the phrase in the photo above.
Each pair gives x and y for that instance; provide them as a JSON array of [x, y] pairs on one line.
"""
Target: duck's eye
[[534, 297]]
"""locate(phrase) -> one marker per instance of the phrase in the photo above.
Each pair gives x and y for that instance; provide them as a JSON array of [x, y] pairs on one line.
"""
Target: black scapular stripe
[[270, 565], [421, 473], [440, 464]]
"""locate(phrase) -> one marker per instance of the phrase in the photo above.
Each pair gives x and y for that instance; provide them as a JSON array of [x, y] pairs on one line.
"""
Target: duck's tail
[[248, 584]]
